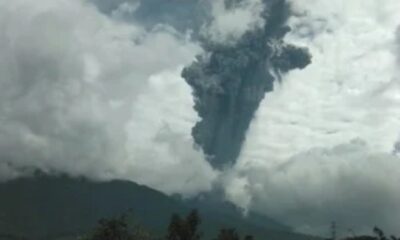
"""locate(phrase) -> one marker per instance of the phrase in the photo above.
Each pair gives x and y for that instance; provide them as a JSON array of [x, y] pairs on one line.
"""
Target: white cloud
[[350, 91], [88, 95], [349, 183], [125, 9], [229, 23], [173, 165]]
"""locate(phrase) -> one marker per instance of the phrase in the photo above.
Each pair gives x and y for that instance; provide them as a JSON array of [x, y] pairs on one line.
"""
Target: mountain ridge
[[48, 207]]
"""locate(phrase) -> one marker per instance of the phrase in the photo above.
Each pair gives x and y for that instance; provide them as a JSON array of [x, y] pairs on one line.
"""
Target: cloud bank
[[86, 94], [231, 19], [321, 146]]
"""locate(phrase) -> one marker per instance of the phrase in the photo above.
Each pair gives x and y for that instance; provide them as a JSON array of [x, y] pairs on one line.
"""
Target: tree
[[184, 229], [192, 223], [228, 234], [379, 235], [118, 229], [248, 237], [112, 229], [175, 228]]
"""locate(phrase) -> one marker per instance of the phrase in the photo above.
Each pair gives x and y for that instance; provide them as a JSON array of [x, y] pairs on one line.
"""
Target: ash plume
[[230, 79]]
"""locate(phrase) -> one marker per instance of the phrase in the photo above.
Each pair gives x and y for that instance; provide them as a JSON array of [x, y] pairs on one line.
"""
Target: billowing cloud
[[230, 21], [297, 163], [85, 94], [351, 184]]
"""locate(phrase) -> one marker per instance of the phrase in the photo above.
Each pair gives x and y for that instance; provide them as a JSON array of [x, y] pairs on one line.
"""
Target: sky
[[87, 94], [323, 143], [91, 90]]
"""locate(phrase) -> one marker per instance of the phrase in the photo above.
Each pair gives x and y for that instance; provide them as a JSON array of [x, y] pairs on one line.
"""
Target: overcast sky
[[88, 89]]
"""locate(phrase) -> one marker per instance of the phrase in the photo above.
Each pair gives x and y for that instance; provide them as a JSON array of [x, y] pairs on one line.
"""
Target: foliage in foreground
[[118, 229], [184, 228], [179, 228], [378, 235]]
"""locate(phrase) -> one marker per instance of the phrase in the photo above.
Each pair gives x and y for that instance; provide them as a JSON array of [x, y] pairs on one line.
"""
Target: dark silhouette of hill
[[45, 207]]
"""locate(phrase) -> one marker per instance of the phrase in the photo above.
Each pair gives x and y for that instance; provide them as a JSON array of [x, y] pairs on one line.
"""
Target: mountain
[[48, 207]]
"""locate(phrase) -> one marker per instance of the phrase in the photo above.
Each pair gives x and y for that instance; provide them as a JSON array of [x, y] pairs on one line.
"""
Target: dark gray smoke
[[230, 80]]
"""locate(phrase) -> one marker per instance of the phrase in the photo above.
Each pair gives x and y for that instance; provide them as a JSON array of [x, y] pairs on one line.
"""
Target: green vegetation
[[378, 235], [178, 229], [119, 229], [184, 229], [187, 228]]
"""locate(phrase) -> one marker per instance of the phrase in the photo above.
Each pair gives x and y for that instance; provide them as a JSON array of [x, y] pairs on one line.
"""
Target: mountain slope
[[48, 207]]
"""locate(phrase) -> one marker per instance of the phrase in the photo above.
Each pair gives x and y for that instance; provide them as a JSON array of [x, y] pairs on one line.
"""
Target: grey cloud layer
[[351, 184], [78, 92], [300, 161]]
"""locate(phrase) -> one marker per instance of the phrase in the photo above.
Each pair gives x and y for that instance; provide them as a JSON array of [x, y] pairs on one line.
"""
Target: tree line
[[185, 228], [179, 228]]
